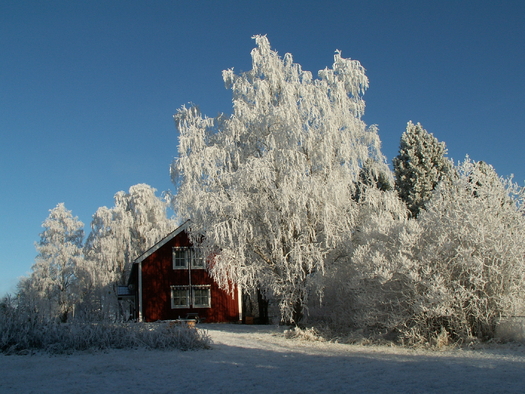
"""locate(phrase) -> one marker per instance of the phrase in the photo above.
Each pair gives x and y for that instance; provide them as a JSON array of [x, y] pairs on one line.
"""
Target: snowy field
[[258, 359]]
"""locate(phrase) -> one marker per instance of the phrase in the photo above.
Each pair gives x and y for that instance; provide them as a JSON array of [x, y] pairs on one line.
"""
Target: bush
[[447, 277], [23, 333]]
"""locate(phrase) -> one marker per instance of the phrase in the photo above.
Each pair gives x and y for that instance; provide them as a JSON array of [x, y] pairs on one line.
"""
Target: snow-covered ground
[[258, 359]]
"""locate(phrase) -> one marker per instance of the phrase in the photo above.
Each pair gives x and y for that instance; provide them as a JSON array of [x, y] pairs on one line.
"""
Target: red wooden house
[[170, 281]]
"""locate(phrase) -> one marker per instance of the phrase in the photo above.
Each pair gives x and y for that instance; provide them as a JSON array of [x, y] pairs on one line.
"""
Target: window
[[197, 260], [180, 258], [183, 255], [180, 297], [201, 296]]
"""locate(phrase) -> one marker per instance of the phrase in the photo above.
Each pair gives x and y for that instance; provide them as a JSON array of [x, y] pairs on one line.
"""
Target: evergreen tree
[[419, 167]]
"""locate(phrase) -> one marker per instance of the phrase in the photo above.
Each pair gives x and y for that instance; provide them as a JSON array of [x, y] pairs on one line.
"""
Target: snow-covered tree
[[419, 167], [54, 275], [450, 274], [374, 174], [360, 290], [272, 185], [119, 235], [104, 251], [474, 252]]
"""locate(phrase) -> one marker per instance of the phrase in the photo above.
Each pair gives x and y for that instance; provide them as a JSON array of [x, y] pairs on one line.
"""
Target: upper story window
[[197, 260], [183, 257]]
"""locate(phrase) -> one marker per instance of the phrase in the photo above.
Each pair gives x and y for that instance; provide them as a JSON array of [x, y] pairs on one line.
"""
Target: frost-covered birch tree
[[420, 165], [271, 186], [54, 276], [119, 235], [373, 175]]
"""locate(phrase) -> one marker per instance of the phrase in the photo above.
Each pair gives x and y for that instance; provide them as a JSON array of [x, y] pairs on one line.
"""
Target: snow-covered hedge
[[22, 333]]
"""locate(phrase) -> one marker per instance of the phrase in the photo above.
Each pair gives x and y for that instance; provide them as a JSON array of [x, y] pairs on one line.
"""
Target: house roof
[[162, 242]]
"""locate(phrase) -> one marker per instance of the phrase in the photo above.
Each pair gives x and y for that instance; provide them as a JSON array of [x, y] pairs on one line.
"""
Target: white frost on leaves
[[271, 186], [454, 271], [52, 287], [118, 236]]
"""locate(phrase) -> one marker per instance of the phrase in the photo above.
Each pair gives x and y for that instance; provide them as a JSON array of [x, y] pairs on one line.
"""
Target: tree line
[[72, 279], [294, 191]]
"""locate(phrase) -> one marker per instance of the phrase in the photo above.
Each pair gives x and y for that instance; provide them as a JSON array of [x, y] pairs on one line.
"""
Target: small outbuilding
[[171, 281]]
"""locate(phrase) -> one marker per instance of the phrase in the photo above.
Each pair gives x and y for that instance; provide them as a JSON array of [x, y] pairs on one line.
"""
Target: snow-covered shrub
[[472, 256], [511, 329], [448, 276], [22, 333], [360, 290], [305, 334]]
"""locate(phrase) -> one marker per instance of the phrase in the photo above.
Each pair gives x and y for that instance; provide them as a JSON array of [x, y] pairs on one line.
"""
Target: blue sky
[[88, 88]]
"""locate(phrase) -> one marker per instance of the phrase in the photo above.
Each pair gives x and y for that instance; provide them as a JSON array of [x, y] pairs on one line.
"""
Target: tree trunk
[[263, 308], [297, 312]]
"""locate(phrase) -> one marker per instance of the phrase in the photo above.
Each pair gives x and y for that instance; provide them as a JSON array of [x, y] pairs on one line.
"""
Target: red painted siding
[[158, 276]]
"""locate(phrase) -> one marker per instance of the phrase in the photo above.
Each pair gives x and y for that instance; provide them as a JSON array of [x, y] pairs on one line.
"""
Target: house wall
[[158, 276]]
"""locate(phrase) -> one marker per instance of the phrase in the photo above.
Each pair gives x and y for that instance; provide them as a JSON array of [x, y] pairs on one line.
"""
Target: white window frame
[[208, 297], [175, 258], [180, 288], [197, 260]]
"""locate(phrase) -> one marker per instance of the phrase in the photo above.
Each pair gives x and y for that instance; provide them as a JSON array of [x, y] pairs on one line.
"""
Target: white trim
[[200, 287], [187, 289], [187, 257], [196, 255], [141, 316], [239, 300], [190, 296]]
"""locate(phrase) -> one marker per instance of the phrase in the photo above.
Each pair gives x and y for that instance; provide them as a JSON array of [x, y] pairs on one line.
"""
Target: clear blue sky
[[88, 88]]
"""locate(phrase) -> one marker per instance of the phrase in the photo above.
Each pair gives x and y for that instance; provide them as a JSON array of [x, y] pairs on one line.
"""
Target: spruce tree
[[419, 167]]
